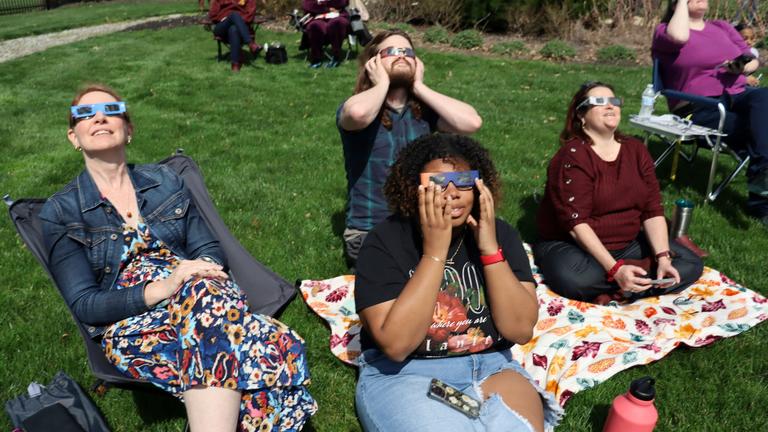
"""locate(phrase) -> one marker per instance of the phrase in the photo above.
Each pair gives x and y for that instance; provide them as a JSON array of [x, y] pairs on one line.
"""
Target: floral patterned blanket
[[577, 345]]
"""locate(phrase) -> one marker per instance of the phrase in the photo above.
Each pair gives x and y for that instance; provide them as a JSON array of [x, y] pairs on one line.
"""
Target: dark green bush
[[615, 54], [557, 49], [509, 48], [437, 34], [467, 39]]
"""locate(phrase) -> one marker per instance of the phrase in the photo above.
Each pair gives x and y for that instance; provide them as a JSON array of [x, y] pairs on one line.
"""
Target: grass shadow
[[154, 406], [598, 415], [731, 204], [526, 224]]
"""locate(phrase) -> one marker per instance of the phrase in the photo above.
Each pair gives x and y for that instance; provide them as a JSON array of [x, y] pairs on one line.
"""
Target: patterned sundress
[[206, 336]]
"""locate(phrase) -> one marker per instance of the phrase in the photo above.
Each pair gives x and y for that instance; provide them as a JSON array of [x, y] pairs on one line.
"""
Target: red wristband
[[609, 276], [492, 259], [663, 254]]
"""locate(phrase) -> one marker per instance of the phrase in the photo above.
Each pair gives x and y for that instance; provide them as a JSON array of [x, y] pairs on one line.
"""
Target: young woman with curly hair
[[443, 290]]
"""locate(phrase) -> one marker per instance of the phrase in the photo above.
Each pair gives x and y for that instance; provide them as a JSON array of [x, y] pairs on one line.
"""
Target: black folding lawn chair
[[267, 292]]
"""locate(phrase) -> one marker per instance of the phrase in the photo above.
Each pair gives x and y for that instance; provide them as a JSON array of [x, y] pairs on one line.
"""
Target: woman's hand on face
[[632, 278], [376, 72], [435, 220], [484, 228], [665, 269]]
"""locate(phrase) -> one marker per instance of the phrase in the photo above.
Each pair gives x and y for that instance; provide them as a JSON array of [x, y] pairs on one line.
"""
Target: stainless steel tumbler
[[681, 218]]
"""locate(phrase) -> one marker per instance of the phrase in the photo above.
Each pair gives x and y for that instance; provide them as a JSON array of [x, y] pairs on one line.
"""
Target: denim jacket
[[83, 234]]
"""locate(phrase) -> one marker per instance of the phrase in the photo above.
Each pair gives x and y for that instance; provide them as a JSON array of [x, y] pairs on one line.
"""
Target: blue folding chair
[[717, 147]]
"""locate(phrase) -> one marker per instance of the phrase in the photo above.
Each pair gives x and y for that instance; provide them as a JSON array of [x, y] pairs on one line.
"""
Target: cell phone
[[663, 281], [736, 66], [454, 398]]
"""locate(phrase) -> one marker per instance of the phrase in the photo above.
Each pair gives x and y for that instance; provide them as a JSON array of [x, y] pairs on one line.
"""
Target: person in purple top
[[697, 56], [329, 23]]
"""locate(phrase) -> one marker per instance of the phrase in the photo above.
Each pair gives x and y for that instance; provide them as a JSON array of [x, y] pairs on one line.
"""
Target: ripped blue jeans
[[392, 396]]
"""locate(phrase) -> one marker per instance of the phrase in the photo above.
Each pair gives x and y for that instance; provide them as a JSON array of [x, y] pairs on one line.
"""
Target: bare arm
[[514, 306], [398, 326], [361, 109], [455, 116], [751, 66], [679, 27]]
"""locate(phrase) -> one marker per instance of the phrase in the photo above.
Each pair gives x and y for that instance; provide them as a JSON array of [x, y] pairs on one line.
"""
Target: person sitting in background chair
[[710, 58], [232, 21], [328, 22], [750, 38]]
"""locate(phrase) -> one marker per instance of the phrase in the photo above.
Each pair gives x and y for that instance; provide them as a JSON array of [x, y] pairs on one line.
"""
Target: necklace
[[449, 261]]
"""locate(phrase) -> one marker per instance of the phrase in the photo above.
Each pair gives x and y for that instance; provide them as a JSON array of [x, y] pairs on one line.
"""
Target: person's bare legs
[[212, 409], [518, 394]]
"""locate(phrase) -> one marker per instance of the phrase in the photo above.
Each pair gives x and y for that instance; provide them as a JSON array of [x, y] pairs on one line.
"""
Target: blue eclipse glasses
[[82, 112], [601, 101], [462, 180], [397, 52]]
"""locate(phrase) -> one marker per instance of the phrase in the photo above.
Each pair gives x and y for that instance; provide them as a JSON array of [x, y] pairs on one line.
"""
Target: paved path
[[21, 47]]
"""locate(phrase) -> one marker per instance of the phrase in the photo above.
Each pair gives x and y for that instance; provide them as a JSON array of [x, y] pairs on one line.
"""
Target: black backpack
[[276, 53]]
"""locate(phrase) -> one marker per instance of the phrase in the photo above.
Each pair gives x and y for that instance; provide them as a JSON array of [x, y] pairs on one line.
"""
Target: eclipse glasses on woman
[[600, 101], [82, 112], [462, 180]]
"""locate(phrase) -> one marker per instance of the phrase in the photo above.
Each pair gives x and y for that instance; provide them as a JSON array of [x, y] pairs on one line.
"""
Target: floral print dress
[[205, 335]]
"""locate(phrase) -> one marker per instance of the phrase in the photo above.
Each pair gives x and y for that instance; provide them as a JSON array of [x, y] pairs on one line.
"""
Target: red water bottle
[[634, 411]]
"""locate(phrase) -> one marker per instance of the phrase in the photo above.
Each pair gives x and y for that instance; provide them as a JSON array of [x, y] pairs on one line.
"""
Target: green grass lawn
[[268, 146], [88, 14]]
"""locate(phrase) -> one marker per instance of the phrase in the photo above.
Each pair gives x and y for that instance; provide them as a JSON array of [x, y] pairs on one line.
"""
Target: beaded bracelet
[[609, 276]]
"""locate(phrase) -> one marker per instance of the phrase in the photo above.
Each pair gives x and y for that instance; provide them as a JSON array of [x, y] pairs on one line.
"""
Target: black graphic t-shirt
[[461, 322]]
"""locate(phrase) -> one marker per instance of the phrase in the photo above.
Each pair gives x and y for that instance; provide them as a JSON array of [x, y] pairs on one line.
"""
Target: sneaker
[[315, 65], [254, 48], [332, 64], [235, 67]]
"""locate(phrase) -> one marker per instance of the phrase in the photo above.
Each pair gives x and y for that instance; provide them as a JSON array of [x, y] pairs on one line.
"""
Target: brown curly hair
[[401, 187]]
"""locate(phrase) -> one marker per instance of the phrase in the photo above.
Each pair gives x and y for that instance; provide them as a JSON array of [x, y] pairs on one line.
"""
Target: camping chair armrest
[[696, 99]]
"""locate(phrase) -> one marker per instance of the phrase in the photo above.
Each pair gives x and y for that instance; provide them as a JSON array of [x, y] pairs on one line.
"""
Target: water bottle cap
[[682, 202], [642, 388]]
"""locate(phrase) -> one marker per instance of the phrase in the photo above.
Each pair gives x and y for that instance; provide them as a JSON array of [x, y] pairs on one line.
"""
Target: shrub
[[615, 54], [404, 27], [467, 39], [558, 50], [509, 48], [447, 13], [437, 34]]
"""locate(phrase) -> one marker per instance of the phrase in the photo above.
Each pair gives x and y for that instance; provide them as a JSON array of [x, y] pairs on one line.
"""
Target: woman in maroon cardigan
[[231, 20], [602, 231], [328, 24]]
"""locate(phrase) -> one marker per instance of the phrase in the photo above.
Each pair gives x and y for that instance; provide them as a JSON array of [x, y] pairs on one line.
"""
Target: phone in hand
[[454, 398], [662, 281], [736, 66]]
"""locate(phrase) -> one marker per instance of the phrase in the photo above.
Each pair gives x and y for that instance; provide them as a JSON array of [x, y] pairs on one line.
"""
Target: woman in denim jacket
[[137, 263]]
